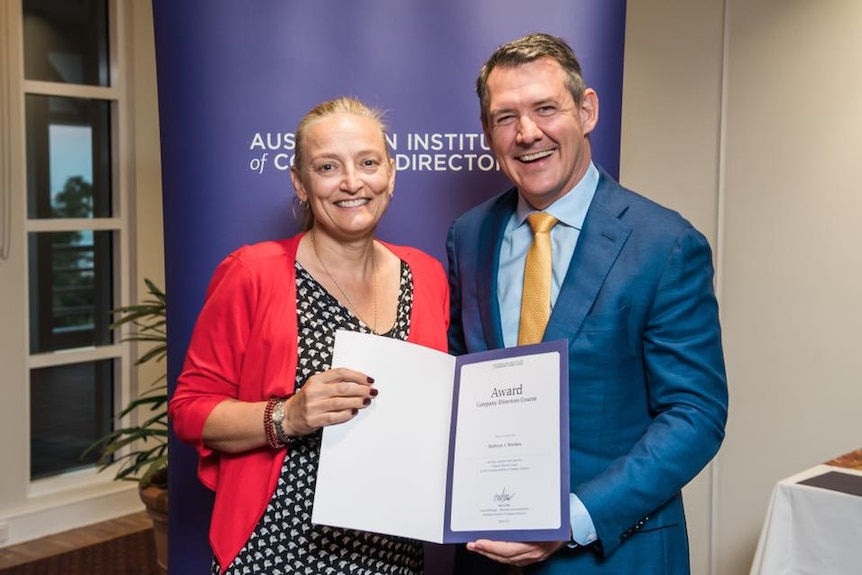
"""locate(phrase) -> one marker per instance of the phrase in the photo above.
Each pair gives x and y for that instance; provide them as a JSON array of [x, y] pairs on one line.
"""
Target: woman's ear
[[392, 171], [298, 186]]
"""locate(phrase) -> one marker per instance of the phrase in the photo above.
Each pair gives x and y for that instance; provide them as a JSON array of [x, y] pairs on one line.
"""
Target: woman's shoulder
[[266, 259], [261, 252]]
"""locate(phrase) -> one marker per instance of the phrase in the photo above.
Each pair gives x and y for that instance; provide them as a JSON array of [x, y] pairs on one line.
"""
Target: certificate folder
[[452, 449], [836, 481]]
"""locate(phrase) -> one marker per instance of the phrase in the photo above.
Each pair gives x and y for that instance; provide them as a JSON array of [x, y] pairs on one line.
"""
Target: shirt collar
[[571, 208]]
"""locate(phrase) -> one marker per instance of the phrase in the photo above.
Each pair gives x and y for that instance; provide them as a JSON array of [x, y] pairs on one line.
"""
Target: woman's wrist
[[270, 427]]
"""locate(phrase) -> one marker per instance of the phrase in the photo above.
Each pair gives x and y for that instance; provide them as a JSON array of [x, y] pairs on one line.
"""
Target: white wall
[[778, 193]]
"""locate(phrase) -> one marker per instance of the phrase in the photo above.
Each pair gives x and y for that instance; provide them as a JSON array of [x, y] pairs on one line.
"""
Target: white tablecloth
[[811, 530]]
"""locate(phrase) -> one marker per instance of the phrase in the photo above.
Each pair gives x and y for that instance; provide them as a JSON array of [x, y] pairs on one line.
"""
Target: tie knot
[[541, 222]]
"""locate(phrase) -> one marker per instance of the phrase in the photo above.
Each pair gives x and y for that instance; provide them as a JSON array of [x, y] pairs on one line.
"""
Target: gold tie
[[536, 298]]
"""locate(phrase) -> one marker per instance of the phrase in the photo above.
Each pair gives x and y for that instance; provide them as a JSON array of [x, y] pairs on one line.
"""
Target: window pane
[[68, 158], [71, 407], [66, 41], [70, 289]]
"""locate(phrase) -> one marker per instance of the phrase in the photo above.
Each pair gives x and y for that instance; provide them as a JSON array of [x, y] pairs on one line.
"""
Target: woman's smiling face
[[345, 174]]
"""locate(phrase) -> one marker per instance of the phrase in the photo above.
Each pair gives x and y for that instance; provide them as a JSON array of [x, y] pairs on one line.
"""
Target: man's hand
[[518, 554]]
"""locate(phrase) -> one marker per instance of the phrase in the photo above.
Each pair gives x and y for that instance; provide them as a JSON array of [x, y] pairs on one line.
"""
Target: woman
[[257, 387]]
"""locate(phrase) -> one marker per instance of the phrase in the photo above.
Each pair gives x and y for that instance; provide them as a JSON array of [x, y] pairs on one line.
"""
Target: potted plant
[[140, 448]]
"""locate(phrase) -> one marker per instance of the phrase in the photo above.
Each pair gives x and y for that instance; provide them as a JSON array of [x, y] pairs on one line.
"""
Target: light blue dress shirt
[[570, 211]]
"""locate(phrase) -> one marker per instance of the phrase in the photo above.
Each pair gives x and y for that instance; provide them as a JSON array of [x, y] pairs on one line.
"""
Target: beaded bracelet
[[269, 425]]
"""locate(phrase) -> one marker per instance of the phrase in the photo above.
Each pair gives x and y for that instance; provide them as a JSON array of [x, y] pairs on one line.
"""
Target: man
[[631, 290]]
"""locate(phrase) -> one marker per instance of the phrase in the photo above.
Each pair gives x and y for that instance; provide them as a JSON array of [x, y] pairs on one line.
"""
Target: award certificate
[[452, 449]]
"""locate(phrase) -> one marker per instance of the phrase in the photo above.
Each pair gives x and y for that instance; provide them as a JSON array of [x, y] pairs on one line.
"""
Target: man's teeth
[[352, 203], [536, 156]]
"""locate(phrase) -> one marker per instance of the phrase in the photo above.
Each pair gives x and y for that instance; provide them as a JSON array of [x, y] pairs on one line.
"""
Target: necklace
[[351, 307]]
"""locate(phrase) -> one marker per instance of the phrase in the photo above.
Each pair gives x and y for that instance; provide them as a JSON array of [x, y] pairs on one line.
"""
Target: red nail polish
[[354, 411], [366, 401], [373, 392], [370, 379]]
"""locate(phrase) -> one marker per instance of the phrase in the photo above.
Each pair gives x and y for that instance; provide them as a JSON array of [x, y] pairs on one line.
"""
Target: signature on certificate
[[503, 497]]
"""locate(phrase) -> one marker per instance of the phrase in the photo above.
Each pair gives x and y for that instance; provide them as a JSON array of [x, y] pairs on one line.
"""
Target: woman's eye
[[324, 168]]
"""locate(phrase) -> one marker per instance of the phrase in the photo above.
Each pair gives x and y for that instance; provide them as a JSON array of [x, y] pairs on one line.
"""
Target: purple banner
[[235, 78]]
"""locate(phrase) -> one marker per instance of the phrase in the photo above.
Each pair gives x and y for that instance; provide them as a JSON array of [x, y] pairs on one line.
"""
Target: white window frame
[[33, 508]]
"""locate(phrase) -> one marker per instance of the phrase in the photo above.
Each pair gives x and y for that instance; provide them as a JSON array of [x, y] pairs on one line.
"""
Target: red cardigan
[[244, 347]]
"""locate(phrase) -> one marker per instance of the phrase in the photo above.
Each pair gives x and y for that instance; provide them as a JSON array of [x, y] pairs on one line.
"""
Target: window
[[76, 230]]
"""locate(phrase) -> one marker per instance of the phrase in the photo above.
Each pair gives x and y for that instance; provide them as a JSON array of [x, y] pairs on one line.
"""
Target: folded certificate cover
[[453, 449]]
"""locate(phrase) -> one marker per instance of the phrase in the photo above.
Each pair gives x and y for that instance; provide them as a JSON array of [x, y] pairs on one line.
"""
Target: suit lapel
[[490, 240], [600, 243]]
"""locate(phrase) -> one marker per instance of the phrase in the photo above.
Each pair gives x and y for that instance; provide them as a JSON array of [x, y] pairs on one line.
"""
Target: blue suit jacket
[[647, 385]]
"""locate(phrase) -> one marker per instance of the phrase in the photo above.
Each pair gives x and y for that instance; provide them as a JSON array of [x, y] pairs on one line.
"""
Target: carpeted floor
[[132, 554]]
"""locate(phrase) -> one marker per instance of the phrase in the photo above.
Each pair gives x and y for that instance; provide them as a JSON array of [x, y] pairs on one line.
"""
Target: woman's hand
[[329, 397]]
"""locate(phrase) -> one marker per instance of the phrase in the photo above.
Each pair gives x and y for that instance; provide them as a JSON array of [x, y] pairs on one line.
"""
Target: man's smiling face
[[538, 133]]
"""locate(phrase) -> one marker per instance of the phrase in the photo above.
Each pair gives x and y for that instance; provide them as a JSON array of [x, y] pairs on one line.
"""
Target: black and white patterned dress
[[285, 541]]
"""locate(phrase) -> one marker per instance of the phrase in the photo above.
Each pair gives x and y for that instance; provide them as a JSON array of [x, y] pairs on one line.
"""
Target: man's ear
[[589, 110], [487, 131]]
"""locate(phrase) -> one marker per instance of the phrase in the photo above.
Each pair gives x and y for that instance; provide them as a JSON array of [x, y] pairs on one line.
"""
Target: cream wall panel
[[672, 104], [149, 251], [792, 266], [14, 406]]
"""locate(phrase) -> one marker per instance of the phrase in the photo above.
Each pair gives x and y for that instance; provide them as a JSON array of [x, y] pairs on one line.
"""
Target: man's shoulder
[[636, 208]]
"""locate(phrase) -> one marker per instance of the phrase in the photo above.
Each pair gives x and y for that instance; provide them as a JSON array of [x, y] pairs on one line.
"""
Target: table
[[814, 522]]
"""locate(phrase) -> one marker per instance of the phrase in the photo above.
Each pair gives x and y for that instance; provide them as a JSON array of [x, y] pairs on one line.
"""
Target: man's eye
[[546, 111], [504, 120], [324, 168]]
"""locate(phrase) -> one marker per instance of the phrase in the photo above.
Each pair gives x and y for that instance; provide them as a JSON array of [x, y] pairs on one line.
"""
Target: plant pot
[[156, 501]]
